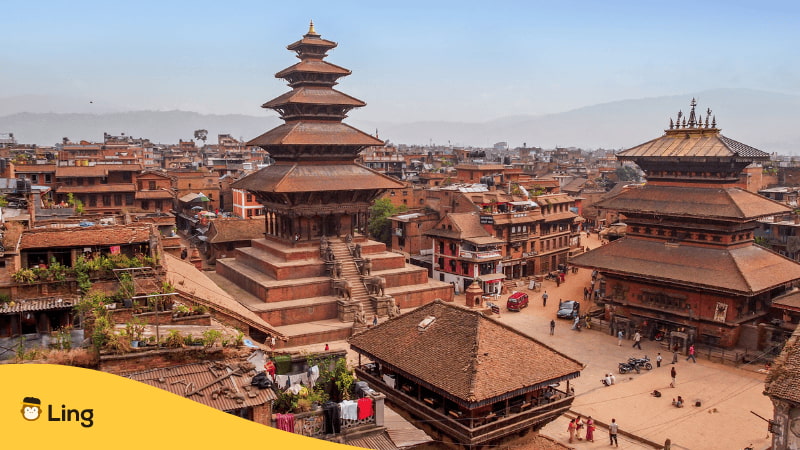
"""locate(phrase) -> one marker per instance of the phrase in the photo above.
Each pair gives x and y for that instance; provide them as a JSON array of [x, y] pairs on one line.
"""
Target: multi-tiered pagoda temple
[[688, 266], [315, 265], [314, 189]]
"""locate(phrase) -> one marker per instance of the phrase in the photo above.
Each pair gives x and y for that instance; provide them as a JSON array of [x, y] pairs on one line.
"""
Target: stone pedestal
[[347, 310], [382, 303], [359, 327]]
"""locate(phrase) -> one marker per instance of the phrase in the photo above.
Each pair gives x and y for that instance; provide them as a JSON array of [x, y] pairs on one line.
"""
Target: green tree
[[627, 173], [379, 225]]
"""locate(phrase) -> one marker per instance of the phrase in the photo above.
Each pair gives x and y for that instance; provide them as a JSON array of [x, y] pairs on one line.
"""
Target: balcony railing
[[484, 255]]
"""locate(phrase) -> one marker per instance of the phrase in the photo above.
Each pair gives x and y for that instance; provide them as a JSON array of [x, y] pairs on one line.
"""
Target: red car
[[517, 301]]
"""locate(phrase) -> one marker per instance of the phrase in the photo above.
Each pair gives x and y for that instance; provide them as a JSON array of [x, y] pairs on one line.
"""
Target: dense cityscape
[[340, 268]]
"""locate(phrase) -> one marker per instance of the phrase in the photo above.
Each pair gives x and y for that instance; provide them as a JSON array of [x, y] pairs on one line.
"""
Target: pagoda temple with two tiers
[[315, 262], [688, 267]]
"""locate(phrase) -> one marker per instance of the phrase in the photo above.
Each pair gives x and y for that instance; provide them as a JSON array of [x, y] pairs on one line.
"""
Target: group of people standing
[[576, 426]]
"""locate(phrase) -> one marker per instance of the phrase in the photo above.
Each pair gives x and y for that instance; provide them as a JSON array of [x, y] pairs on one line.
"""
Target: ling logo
[[32, 410]]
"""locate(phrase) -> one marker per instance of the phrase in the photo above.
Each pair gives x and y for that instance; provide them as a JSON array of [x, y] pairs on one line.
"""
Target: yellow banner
[[64, 407]]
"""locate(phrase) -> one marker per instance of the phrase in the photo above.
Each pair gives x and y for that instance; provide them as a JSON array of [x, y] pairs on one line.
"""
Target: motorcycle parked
[[625, 367], [641, 362]]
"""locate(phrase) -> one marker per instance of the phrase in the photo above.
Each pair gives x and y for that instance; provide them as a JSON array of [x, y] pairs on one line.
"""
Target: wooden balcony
[[471, 430]]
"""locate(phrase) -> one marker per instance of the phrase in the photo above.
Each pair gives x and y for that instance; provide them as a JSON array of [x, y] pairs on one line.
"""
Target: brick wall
[[156, 359]]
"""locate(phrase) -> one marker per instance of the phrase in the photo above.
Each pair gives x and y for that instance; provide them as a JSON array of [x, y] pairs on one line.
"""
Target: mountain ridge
[[762, 119]]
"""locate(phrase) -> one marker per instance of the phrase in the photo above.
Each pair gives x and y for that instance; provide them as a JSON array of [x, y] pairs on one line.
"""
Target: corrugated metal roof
[[377, 441]]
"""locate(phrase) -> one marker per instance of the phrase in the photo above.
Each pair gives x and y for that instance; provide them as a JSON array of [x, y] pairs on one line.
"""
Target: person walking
[[552, 327], [613, 428], [672, 374], [675, 354], [691, 354], [620, 335], [658, 360], [585, 293], [375, 320], [544, 299], [637, 340]]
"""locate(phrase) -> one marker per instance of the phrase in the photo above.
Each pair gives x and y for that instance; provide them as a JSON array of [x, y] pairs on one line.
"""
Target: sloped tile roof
[[726, 203], [466, 227], [313, 66], [742, 271], [477, 359], [314, 133], [315, 177], [231, 230], [200, 378], [689, 143], [84, 236], [783, 380], [314, 95], [790, 300]]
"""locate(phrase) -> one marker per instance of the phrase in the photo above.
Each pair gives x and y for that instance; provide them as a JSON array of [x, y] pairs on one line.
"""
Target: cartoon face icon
[[31, 408]]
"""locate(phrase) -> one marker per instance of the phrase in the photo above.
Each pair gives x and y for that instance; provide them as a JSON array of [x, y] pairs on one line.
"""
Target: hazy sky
[[411, 60]]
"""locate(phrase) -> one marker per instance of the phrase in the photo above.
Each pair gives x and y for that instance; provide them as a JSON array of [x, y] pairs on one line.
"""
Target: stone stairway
[[350, 273]]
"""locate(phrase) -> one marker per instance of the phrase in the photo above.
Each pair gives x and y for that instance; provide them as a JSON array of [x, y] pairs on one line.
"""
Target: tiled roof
[[689, 143], [466, 227], [790, 301], [36, 304], [742, 271], [315, 177], [783, 380], [726, 203], [84, 236], [197, 382], [485, 359], [230, 230], [314, 95], [315, 133], [193, 283], [313, 66]]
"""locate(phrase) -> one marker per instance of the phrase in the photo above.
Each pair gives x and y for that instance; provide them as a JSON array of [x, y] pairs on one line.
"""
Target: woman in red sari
[[590, 429]]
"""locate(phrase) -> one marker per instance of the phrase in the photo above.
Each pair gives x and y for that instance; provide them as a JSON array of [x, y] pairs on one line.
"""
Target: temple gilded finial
[[311, 28]]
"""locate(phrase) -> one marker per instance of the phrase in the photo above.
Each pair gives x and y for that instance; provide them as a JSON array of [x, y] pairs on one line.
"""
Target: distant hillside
[[159, 126], [765, 120]]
